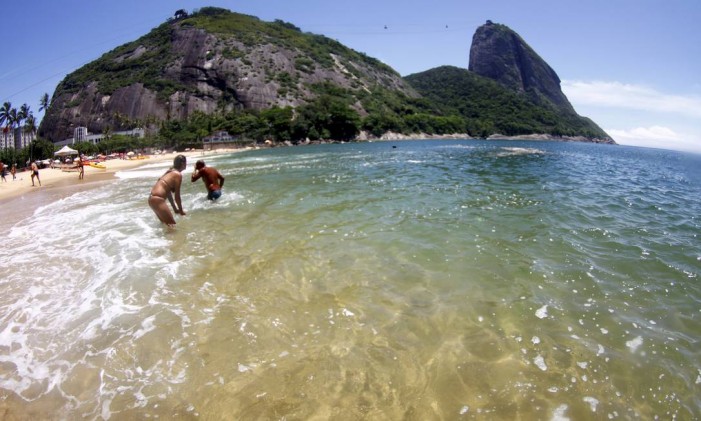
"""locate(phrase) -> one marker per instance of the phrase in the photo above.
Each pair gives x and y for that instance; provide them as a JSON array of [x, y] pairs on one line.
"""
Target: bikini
[[168, 187]]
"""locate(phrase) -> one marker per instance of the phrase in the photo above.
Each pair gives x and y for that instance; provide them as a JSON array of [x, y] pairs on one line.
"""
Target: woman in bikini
[[165, 187]]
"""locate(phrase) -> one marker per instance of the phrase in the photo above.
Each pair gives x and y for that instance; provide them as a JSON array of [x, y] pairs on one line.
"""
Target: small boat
[[98, 165]]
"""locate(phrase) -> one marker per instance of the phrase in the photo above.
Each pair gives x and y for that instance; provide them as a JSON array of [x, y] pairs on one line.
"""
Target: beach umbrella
[[65, 151]]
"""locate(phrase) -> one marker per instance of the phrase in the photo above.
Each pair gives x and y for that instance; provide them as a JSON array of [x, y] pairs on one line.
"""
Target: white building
[[6, 138], [15, 138], [81, 134]]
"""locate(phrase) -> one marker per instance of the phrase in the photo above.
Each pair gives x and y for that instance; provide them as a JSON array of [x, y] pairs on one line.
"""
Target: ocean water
[[422, 280]]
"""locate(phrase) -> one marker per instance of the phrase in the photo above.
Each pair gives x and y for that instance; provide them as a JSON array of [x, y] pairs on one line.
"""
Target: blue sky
[[632, 66]]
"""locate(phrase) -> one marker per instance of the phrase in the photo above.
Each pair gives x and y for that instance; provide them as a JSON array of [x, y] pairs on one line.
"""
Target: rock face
[[500, 54], [216, 61]]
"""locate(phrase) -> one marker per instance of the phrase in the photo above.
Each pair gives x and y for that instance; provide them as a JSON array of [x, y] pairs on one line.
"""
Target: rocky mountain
[[507, 89], [500, 54], [213, 60], [222, 65], [489, 108]]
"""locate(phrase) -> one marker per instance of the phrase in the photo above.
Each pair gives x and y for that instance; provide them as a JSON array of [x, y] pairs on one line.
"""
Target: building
[[81, 134], [219, 140], [15, 138], [5, 137], [23, 138], [221, 136]]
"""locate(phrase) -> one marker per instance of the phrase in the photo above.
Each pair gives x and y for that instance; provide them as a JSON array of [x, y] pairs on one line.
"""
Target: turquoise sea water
[[396, 280]]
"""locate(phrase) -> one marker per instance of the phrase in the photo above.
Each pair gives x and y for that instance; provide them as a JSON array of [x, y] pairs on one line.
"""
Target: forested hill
[[508, 89], [219, 70], [219, 62], [488, 107]]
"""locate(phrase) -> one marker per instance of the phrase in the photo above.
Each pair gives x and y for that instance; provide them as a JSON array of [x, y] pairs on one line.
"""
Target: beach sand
[[19, 198]]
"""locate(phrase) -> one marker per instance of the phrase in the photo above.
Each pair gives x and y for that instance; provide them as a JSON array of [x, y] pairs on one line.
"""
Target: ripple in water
[[434, 280]]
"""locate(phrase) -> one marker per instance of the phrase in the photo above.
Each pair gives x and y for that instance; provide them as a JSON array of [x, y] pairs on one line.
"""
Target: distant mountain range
[[218, 62]]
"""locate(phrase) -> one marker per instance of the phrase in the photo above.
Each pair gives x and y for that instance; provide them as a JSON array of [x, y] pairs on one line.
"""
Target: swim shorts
[[214, 195]]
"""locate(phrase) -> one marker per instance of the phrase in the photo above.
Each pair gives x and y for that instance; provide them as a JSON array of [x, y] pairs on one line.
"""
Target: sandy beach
[[18, 196]]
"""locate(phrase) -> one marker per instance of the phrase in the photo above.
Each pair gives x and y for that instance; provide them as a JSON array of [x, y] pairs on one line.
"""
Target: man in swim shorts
[[212, 179], [35, 173]]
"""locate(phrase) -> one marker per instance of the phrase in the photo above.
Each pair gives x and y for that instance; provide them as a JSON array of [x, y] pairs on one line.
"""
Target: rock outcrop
[[500, 54], [215, 61]]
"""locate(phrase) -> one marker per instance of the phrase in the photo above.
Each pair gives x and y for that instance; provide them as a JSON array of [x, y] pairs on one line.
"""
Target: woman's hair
[[179, 161]]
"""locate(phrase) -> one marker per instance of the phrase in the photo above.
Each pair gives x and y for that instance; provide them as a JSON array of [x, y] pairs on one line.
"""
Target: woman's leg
[[161, 209]]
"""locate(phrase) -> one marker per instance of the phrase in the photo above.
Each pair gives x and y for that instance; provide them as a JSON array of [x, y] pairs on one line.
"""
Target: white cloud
[[656, 137], [638, 115], [628, 96], [645, 133]]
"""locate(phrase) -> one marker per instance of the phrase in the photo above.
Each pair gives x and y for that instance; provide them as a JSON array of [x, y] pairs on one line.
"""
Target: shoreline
[[18, 197]]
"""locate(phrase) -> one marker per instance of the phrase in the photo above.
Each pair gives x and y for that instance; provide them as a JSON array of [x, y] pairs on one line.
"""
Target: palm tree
[[22, 114], [30, 126], [24, 111], [44, 102], [5, 119], [12, 120]]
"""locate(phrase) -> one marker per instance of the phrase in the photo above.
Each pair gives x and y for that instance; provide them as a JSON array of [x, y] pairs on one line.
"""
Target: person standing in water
[[213, 180], [165, 188]]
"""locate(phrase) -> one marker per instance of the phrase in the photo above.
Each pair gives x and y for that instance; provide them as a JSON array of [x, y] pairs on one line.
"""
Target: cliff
[[215, 60], [219, 70], [500, 54], [507, 89]]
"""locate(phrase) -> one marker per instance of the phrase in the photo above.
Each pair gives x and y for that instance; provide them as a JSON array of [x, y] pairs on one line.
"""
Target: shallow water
[[434, 280]]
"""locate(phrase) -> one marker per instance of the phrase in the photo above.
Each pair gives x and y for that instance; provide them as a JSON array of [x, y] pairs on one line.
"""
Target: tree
[[22, 114], [343, 121], [41, 149], [278, 122], [10, 121], [31, 124], [44, 102], [5, 112], [180, 14]]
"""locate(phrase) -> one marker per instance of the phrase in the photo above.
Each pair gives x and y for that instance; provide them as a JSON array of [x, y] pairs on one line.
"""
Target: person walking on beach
[[81, 168], [212, 179], [35, 173], [3, 171], [13, 171], [165, 187]]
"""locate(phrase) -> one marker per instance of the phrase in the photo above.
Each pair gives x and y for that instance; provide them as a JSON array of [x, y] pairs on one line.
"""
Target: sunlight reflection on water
[[429, 281]]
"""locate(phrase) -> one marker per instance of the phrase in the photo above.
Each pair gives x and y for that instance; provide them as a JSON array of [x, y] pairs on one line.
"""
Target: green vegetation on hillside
[[331, 115], [252, 32], [117, 68], [452, 100], [489, 108]]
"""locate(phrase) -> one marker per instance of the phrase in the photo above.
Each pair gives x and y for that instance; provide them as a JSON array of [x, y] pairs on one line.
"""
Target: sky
[[632, 66]]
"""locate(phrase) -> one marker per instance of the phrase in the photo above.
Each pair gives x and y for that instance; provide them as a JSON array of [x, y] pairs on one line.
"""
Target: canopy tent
[[65, 151]]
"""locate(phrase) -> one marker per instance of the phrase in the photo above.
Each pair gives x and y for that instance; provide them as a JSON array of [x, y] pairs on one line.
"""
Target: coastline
[[18, 197]]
